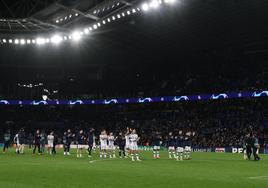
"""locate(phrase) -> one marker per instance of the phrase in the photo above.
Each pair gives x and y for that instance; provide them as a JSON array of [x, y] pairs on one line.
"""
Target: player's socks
[[158, 155], [174, 154], [137, 157], [132, 157], [154, 154], [181, 156], [169, 155]]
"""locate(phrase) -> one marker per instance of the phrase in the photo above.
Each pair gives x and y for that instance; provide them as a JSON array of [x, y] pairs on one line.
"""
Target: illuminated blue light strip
[[203, 97]]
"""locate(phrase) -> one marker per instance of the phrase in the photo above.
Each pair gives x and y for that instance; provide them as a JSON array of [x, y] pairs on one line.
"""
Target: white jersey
[[50, 140], [16, 139], [103, 141], [111, 140], [127, 141], [133, 141]]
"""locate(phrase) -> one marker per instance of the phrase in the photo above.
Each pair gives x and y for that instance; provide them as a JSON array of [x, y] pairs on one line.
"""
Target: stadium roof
[[190, 25]]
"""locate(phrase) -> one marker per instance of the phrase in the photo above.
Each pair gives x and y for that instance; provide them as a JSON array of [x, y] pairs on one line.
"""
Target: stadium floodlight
[[86, 31], [57, 21], [28, 41], [47, 40], [128, 12], [16, 41], [118, 16], [123, 14], [133, 10], [154, 4], [76, 14], [169, 1], [33, 41], [22, 41], [90, 28], [109, 20], [95, 26], [4, 41], [145, 6], [76, 36], [40, 41], [103, 22], [113, 18], [98, 24], [56, 39], [10, 41]]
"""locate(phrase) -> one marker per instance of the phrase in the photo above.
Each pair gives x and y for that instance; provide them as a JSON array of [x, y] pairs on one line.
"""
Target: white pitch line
[[98, 160], [259, 177]]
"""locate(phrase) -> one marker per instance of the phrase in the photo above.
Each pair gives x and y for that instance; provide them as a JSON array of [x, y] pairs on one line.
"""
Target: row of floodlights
[[78, 34]]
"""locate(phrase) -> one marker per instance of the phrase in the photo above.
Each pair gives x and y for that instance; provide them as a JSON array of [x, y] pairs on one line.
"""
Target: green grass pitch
[[205, 170]]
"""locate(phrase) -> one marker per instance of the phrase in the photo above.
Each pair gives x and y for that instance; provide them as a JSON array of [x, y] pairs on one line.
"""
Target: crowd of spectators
[[220, 123]]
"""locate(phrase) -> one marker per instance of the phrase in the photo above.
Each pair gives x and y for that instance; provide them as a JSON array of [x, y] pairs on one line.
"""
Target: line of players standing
[[179, 146]]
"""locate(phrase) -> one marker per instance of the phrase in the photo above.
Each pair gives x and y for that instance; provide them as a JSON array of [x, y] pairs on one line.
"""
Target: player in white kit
[[127, 150], [103, 144], [111, 146], [133, 145], [50, 140]]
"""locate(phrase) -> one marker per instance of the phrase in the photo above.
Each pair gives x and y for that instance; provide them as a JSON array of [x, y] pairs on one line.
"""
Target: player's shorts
[[50, 145], [103, 147], [79, 146], [133, 147], [156, 147], [171, 148], [127, 147], [180, 149], [188, 148], [111, 147]]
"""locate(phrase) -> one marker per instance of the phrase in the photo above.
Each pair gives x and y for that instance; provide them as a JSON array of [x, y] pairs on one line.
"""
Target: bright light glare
[[169, 1], [154, 4], [40, 41], [76, 36], [16, 41], [56, 39], [145, 7], [86, 31]]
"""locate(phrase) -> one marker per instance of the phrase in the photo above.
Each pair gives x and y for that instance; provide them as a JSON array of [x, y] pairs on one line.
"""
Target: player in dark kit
[[7, 137], [70, 137], [42, 142], [248, 144], [65, 143], [90, 141], [156, 144], [252, 146], [37, 142], [55, 142], [80, 139], [121, 141], [255, 147], [22, 139]]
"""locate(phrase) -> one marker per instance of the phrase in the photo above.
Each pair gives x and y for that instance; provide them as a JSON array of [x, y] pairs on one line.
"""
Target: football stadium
[[133, 93]]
